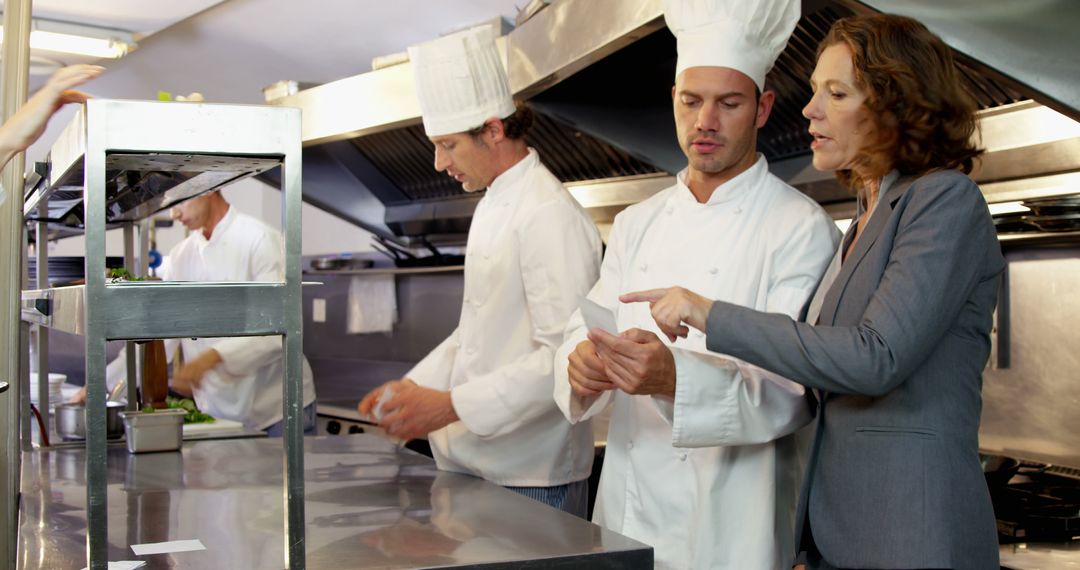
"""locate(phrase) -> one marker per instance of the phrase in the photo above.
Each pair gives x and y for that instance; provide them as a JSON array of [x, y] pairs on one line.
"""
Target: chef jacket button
[[644, 268], [630, 445], [670, 210], [471, 350], [738, 210], [714, 270], [682, 456]]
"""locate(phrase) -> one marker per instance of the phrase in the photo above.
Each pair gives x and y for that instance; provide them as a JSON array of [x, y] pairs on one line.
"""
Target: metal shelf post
[[221, 144]]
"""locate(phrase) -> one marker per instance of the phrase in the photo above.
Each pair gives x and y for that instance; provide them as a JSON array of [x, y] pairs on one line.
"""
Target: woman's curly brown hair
[[924, 119]]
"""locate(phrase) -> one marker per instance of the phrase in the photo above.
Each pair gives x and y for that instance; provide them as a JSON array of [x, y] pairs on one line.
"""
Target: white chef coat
[[532, 255], [247, 385], [759, 243]]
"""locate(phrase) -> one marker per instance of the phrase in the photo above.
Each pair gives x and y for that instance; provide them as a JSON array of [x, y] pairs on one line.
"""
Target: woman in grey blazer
[[897, 335]]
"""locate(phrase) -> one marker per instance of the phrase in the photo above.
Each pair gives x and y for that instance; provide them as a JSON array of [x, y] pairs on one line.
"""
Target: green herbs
[[121, 274], [185, 404], [192, 415]]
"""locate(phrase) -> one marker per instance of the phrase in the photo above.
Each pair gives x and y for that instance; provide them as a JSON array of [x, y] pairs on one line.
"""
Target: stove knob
[[333, 427], [355, 429]]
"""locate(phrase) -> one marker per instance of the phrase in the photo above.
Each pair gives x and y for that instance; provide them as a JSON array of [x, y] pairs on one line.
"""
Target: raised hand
[[27, 124], [673, 309]]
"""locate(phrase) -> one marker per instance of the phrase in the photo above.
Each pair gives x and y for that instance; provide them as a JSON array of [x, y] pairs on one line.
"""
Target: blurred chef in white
[[235, 378], [704, 452], [483, 396]]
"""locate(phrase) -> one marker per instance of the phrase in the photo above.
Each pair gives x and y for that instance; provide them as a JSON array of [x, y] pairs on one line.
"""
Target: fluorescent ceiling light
[[78, 39]]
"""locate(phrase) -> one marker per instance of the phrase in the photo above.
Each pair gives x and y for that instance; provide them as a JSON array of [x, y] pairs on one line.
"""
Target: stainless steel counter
[[1045, 556], [368, 505]]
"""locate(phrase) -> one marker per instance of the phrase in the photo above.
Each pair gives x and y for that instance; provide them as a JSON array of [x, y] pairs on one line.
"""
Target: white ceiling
[[230, 50]]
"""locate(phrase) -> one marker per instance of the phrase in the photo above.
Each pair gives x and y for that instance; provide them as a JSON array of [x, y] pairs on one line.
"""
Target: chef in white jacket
[[483, 396], [238, 378], [235, 378], [703, 453]]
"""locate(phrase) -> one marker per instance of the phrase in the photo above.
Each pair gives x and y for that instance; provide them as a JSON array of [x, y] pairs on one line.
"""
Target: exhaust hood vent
[[603, 100], [406, 158]]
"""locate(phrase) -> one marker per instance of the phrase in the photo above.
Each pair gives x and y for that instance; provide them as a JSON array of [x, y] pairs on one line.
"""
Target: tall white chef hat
[[460, 81], [744, 35]]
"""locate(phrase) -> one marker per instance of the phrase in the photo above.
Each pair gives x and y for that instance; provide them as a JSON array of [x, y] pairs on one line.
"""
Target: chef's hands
[[637, 362], [190, 376], [586, 371], [672, 307], [26, 125], [413, 411], [368, 405]]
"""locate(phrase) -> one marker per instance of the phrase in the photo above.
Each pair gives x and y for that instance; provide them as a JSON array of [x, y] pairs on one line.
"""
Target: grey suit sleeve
[[935, 263]]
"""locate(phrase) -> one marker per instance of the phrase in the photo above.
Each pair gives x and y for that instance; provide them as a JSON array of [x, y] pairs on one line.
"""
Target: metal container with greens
[[159, 430]]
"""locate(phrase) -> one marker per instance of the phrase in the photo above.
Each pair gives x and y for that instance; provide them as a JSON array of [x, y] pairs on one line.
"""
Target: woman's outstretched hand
[[674, 309]]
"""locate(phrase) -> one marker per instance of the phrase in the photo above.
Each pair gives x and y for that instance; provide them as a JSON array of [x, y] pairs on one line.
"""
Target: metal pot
[[340, 263], [330, 263], [71, 420]]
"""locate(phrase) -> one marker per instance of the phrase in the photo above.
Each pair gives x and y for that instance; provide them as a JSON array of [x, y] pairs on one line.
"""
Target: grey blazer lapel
[[871, 231]]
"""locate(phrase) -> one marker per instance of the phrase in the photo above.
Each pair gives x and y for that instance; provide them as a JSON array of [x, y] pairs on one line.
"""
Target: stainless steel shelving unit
[[119, 162]]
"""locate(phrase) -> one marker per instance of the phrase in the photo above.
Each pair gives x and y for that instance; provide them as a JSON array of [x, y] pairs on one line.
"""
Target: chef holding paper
[[704, 452], [483, 396]]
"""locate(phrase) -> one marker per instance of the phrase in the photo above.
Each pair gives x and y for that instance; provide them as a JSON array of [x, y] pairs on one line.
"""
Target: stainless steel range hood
[[599, 73]]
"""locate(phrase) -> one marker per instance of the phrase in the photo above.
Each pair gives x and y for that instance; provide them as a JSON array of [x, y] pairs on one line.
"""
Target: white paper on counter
[[167, 547], [124, 565], [218, 425]]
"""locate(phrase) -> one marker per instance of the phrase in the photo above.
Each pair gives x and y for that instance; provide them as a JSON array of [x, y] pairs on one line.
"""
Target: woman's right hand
[[672, 307], [28, 123]]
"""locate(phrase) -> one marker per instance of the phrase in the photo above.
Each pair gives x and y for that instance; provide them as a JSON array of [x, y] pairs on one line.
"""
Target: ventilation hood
[[599, 74]]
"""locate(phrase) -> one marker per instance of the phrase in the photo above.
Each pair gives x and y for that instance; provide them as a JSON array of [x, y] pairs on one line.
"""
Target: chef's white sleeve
[[606, 294], [723, 401], [435, 368], [559, 255], [575, 408], [244, 355]]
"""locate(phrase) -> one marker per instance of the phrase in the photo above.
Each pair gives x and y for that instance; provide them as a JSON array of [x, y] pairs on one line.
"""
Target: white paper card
[[377, 414], [384, 397], [598, 317], [167, 547]]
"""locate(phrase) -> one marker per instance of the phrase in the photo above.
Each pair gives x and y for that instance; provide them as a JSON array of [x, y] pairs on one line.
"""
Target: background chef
[[235, 378]]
